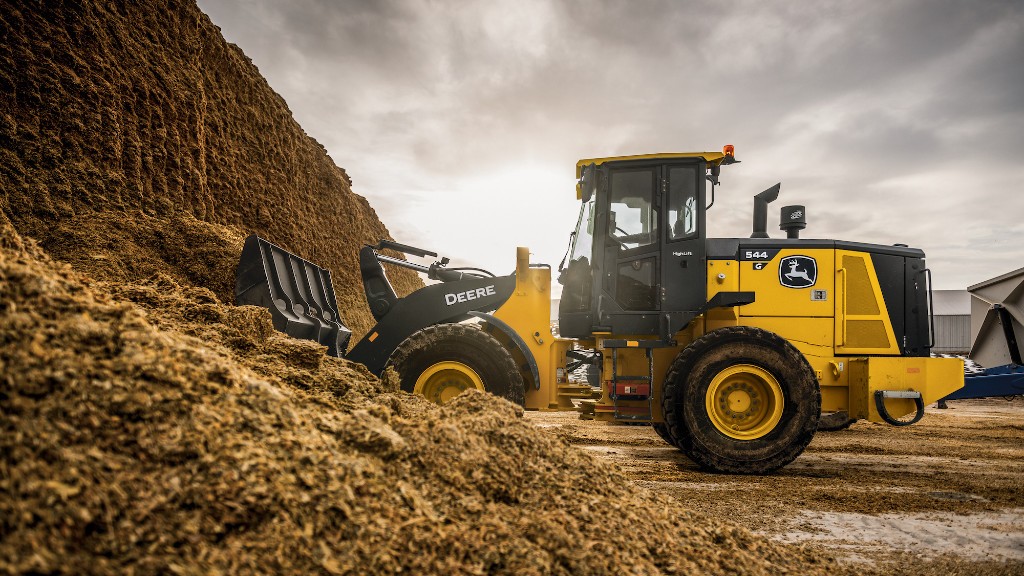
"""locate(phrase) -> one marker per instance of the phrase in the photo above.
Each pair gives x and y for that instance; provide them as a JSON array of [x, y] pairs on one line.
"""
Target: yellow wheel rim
[[446, 380], [744, 402]]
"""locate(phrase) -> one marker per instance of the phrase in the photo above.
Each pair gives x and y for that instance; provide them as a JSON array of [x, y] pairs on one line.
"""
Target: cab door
[[632, 252], [652, 266], [683, 278]]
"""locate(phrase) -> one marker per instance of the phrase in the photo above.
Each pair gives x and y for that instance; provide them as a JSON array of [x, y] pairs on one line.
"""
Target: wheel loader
[[732, 348]]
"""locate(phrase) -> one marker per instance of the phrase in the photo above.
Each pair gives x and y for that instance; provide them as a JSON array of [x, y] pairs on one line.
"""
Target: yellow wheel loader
[[732, 348]]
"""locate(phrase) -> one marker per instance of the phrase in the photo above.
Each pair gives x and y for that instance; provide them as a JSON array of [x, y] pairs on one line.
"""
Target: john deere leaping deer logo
[[798, 271]]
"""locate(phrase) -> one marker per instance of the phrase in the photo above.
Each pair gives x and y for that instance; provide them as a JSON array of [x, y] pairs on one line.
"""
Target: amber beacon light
[[729, 150]]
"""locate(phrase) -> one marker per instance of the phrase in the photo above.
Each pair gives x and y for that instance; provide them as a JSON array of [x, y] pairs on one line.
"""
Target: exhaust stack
[[761, 202]]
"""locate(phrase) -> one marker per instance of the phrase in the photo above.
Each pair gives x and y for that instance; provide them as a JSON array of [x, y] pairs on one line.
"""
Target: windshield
[[583, 238], [575, 277]]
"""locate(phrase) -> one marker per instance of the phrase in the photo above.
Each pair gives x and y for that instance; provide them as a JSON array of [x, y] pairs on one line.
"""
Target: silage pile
[[136, 120], [147, 426]]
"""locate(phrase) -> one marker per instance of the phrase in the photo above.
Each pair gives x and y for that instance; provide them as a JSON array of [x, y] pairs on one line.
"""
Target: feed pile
[[148, 426], [129, 118]]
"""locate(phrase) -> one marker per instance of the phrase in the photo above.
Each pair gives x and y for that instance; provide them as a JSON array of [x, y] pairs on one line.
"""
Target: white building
[[952, 309]]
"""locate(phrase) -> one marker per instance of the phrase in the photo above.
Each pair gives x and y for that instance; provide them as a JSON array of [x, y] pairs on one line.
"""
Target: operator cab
[[636, 259]]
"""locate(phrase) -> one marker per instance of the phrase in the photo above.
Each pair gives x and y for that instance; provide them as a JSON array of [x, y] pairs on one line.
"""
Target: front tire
[[741, 400], [441, 361]]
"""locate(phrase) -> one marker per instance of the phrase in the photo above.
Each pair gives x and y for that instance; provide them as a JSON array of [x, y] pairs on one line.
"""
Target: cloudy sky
[[462, 121]]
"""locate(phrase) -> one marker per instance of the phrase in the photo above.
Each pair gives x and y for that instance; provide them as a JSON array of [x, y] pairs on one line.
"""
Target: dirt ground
[[941, 497], [147, 426]]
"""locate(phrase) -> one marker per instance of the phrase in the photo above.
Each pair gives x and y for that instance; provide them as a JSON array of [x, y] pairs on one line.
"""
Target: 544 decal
[[762, 256]]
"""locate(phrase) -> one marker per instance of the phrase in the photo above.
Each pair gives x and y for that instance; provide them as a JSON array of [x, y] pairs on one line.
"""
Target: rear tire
[[741, 400], [441, 361]]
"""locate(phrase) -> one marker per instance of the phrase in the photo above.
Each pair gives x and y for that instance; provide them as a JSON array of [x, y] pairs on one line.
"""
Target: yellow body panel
[[528, 312], [847, 377], [774, 299], [862, 321], [723, 276], [934, 378]]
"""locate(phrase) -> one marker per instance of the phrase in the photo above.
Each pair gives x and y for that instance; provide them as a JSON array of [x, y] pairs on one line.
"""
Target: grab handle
[[842, 322], [881, 395], [931, 310]]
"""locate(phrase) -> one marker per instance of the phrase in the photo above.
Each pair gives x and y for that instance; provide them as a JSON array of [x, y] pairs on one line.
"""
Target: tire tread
[[434, 340], [675, 389]]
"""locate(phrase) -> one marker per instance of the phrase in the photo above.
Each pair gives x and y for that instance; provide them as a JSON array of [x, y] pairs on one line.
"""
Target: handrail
[[931, 310], [842, 324]]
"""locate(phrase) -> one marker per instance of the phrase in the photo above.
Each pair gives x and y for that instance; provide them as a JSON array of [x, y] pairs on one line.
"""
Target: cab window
[[633, 218], [682, 203]]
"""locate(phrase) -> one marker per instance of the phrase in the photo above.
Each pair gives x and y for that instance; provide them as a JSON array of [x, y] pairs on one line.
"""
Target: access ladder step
[[626, 391], [633, 388]]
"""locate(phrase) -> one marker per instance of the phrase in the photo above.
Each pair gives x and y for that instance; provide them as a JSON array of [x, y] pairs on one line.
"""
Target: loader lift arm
[[380, 295]]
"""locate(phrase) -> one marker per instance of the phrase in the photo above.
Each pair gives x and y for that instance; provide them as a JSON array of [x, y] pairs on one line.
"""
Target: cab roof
[[709, 157]]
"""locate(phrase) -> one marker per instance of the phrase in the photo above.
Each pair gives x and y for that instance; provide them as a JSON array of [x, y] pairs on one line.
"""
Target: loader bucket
[[297, 292]]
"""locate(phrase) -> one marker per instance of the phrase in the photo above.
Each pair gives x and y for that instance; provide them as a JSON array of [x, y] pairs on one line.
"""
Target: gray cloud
[[462, 121]]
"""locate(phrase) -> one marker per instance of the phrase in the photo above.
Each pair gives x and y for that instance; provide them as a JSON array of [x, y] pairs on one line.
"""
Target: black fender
[[517, 340], [448, 302]]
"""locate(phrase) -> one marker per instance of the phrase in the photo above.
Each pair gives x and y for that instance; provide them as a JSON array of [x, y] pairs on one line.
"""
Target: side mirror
[[716, 170]]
